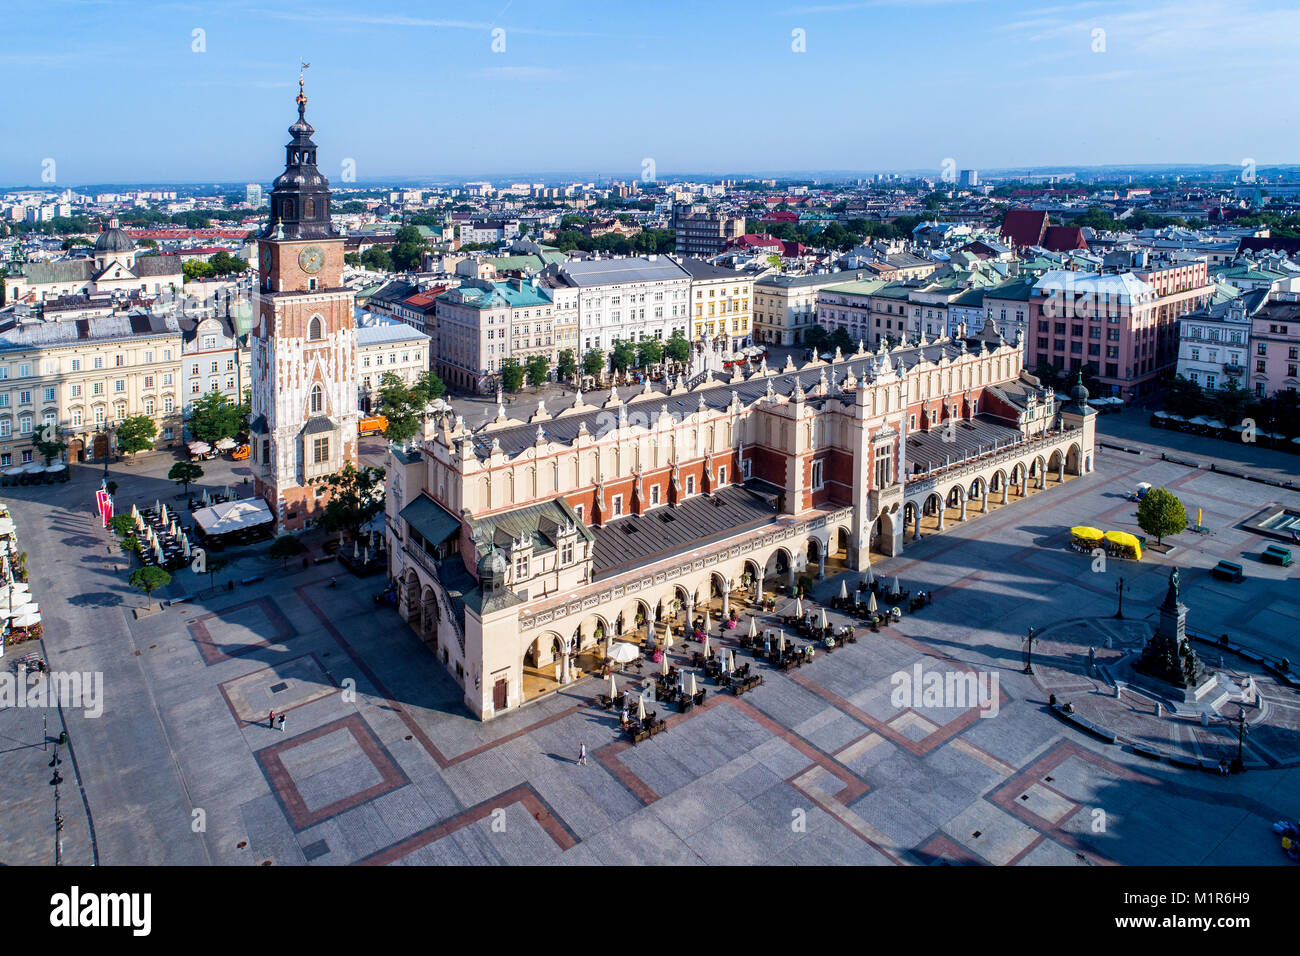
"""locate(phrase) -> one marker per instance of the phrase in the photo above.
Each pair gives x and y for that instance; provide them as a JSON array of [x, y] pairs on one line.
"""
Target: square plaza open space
[[378, 760]]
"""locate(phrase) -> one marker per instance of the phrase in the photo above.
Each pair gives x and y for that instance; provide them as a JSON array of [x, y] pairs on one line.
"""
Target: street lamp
[[1029, 652], [1238, 764], [1119, 589], [55, 780]]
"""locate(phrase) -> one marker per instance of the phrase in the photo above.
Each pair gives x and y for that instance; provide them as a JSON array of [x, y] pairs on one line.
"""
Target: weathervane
[[302, 96]]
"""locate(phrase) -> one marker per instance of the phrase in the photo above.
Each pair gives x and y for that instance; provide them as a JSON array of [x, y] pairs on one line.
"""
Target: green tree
[[224, 264], [213, 417], [512, 375], [1161, 513], [193, 269], [136, 434], [567, 366], [184, 473], [377, 259], [121, 525], [398, 405], [47, 443], [677, 348], [623, 355], [428, 388], [649, 352], [538, 370], [149, 579], [408, 249], [593, 363], [285, 547], [355, 496]]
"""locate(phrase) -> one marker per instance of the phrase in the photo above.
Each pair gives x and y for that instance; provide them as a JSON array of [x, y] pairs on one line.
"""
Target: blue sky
[[114, 91]]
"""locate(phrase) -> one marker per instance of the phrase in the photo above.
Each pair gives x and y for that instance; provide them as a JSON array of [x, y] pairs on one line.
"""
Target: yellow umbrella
[[1125, 540], [1086, 533]]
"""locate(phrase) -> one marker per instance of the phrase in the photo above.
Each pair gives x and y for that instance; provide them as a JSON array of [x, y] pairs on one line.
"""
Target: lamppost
[[1029, 652], [1238, 764], [108, 445], [55, 781], [1119, 589]]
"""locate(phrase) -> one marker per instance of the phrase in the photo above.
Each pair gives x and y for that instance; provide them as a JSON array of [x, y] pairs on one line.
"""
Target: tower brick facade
[[304, 342]]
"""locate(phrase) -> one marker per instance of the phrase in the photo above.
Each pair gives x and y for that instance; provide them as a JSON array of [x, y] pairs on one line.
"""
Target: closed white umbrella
[[731, 661], [668, 637], [663, 665], [157, 506], [691, 689], [868, 576], [135, 512], [640, 708], [798, 607], [365, 555], [823, 621], [162, 514], [356, 549], [706, 645], [871, 603], [613, 687], [185, 545], [753, 628], [705, 625], [780, 641], [896, 588], [844, 590]]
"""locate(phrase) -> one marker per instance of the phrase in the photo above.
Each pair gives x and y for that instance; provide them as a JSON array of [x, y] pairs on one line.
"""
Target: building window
[[168, 405], [690, 484], [654, 495], [817, 475], [618, 505], [320, 451], [315, 329], [521, 568], [317, 399]]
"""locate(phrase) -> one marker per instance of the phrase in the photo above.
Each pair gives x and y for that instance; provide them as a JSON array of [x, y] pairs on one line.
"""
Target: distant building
[[970, 178], [114, 266], [1275, 347], [703, 233], [253, 194]]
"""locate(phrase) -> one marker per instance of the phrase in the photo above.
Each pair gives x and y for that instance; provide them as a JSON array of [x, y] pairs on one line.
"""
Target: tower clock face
[[311, 259]]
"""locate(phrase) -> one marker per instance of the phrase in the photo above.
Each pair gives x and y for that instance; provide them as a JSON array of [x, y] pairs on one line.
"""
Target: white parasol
[[844, 590], [613, 687], [868, 576], [663, 665], [823, 620], [28, 620], [780, 641], [706, 645], [753, 628], [640, 708], [691, 690], [622, 652], [798, 607]]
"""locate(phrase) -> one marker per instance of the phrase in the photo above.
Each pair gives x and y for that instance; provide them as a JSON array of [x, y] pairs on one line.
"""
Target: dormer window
[[521, 567]]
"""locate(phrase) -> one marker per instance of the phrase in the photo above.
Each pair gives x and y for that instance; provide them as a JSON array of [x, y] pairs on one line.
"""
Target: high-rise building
[[970, 178], [304, 342], [253, 194]]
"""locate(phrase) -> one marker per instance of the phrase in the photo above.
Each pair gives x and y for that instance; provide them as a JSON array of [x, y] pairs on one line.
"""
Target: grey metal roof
[[639, 539], [593, 272], [430, 520], [930, 449], [318, 424], [564, 430]]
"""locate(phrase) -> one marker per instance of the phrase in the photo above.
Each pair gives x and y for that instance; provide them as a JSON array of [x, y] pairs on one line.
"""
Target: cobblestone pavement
[[378, 763]]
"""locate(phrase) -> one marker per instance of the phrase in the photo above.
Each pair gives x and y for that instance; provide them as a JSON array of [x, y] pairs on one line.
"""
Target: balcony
[[1234, 371]]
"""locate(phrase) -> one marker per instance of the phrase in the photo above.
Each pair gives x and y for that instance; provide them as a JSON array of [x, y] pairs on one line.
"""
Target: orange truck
[[374, 425], [240, 453]]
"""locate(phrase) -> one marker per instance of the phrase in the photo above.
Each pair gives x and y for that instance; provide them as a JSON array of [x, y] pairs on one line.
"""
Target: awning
[[430, 520], [233, 516], [1087, 533]]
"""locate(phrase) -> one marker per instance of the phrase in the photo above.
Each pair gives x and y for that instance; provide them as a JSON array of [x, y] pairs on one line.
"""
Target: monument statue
[[1168, 654]]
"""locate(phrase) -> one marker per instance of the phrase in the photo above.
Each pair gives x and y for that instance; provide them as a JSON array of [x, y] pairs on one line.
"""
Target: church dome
[[492, 569], [1079, 393], [113, 239]]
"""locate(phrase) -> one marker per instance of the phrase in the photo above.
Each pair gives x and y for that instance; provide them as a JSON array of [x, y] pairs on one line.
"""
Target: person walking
[[582, 754], [281, 722]]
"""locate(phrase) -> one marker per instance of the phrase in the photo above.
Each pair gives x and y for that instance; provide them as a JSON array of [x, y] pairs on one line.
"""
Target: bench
[[1228, 571], [1276, 554]]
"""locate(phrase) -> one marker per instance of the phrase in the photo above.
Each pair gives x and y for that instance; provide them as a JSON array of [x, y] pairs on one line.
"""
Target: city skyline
[[508, 81]]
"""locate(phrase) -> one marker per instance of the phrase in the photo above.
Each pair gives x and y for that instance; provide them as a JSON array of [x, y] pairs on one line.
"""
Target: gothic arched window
[[309, 209], [317, 399], [315, 329]]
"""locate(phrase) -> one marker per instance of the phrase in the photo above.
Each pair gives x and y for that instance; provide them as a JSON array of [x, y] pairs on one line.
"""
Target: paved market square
[[379, 763]]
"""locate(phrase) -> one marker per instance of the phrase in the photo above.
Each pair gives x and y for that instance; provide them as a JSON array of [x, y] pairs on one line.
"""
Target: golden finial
[[302, 95]]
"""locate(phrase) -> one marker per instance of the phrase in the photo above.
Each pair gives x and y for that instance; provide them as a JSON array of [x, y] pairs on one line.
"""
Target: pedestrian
[[582, 753], [270, 720], [623, 718], [281, 722]]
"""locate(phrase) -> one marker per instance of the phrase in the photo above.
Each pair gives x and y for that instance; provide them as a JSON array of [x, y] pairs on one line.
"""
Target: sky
[[111, 91]]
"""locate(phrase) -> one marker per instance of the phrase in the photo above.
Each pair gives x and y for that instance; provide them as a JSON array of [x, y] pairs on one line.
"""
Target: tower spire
[[302, 93]]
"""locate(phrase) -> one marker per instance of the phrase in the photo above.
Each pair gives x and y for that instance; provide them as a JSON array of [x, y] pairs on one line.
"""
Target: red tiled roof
[[781, 215], [1062, 238], [1024, 227]]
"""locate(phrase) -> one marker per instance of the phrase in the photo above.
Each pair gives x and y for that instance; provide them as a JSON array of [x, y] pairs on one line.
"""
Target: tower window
[[309, 209], [317, 399], [286, 209], [315, 329]]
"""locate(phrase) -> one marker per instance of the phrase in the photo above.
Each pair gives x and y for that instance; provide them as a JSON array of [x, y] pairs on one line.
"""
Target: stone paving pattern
[[379, 764]]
